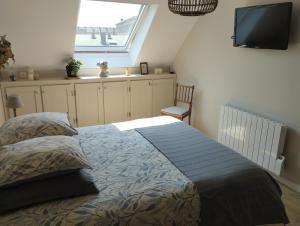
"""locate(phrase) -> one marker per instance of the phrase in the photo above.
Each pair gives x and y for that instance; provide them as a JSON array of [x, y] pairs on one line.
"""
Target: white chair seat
[[175, 110]]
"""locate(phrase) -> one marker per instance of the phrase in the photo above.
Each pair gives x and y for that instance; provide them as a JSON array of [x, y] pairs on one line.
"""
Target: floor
[[291, 201]]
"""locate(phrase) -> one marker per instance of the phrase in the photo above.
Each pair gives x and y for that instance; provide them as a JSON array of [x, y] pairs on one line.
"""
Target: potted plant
[[73, 66], [5, 52]]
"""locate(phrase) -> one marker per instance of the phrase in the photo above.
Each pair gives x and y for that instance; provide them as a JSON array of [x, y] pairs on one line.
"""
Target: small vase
[[103, 73]]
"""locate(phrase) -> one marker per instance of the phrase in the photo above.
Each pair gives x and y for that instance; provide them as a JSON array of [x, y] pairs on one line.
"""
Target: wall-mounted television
[[263, 26]]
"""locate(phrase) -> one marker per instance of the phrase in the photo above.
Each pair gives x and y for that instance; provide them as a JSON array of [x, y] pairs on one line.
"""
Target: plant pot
[[71, 72]]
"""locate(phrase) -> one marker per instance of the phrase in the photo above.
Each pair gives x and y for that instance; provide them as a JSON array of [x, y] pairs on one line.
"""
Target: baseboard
[[295, 187]]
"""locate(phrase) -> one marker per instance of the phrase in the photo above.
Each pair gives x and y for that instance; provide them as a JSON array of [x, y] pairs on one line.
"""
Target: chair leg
[[189, 119]]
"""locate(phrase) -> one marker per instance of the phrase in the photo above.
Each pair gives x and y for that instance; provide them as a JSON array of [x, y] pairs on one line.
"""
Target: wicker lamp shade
[[192, 7]]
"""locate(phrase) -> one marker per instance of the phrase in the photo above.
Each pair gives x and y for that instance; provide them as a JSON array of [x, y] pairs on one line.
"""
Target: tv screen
[[264, 27]]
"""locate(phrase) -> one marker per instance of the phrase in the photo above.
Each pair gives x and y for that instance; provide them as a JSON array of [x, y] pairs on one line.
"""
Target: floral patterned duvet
[[137, 186]]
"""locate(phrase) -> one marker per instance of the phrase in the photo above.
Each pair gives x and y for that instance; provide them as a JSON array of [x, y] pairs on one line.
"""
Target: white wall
[[263, 81], [166, 36], [42, 32]]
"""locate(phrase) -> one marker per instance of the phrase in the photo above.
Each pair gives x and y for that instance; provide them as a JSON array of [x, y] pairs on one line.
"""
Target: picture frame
[[144, 68]]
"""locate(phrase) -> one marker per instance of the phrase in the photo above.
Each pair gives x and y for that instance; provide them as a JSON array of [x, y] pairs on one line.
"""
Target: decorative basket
[[192, 7]]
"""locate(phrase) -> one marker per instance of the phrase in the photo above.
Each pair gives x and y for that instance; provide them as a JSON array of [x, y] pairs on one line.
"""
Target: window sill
[[114, 59]]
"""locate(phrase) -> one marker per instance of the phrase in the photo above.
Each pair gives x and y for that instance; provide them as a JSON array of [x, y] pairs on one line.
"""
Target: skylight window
[[107, 26]]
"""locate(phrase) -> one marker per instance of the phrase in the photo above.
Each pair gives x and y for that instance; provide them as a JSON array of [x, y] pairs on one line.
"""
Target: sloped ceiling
[[43, 32]]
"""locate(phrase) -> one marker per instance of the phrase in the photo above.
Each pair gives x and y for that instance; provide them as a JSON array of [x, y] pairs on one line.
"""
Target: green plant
[[73, 66], [5, 52]]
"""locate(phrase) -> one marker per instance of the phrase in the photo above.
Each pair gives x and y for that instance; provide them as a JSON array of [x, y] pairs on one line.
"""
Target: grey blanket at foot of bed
[[233, 190]]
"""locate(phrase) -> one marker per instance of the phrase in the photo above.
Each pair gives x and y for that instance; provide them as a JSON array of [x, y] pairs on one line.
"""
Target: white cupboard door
[[31, 97], [60, 98], [115, 102], [141, 99], [163, 94], [89, 103], [2, 110]]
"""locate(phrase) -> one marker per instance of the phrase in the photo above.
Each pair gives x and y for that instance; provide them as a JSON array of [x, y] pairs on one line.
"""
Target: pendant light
[[192, 7]]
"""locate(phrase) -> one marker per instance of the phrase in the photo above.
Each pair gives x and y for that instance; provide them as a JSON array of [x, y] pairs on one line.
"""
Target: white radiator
[[259, 139]]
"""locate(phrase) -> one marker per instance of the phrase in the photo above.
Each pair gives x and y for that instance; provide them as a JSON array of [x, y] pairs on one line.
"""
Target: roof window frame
[[117, 49]]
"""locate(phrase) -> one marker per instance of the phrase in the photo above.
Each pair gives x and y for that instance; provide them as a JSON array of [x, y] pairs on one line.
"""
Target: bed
[[141, 181]]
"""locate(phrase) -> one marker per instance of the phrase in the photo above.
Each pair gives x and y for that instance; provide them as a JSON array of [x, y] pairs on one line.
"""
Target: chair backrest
[[184, 94]]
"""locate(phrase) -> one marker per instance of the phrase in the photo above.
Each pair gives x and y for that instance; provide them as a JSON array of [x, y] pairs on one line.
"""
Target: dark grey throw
[[233, 190]]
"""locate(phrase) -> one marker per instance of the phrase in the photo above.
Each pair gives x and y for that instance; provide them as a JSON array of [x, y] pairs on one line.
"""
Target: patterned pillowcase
[[39, 157], [35, 125]]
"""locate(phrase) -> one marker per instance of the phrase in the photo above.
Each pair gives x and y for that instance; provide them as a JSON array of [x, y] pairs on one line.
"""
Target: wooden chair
[[184, 94]]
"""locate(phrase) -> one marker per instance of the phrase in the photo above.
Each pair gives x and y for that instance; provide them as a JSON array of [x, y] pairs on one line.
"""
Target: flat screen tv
[[263, 26]]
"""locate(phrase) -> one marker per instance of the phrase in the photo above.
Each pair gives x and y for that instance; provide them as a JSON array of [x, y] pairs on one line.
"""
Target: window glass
[[106, 24]]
